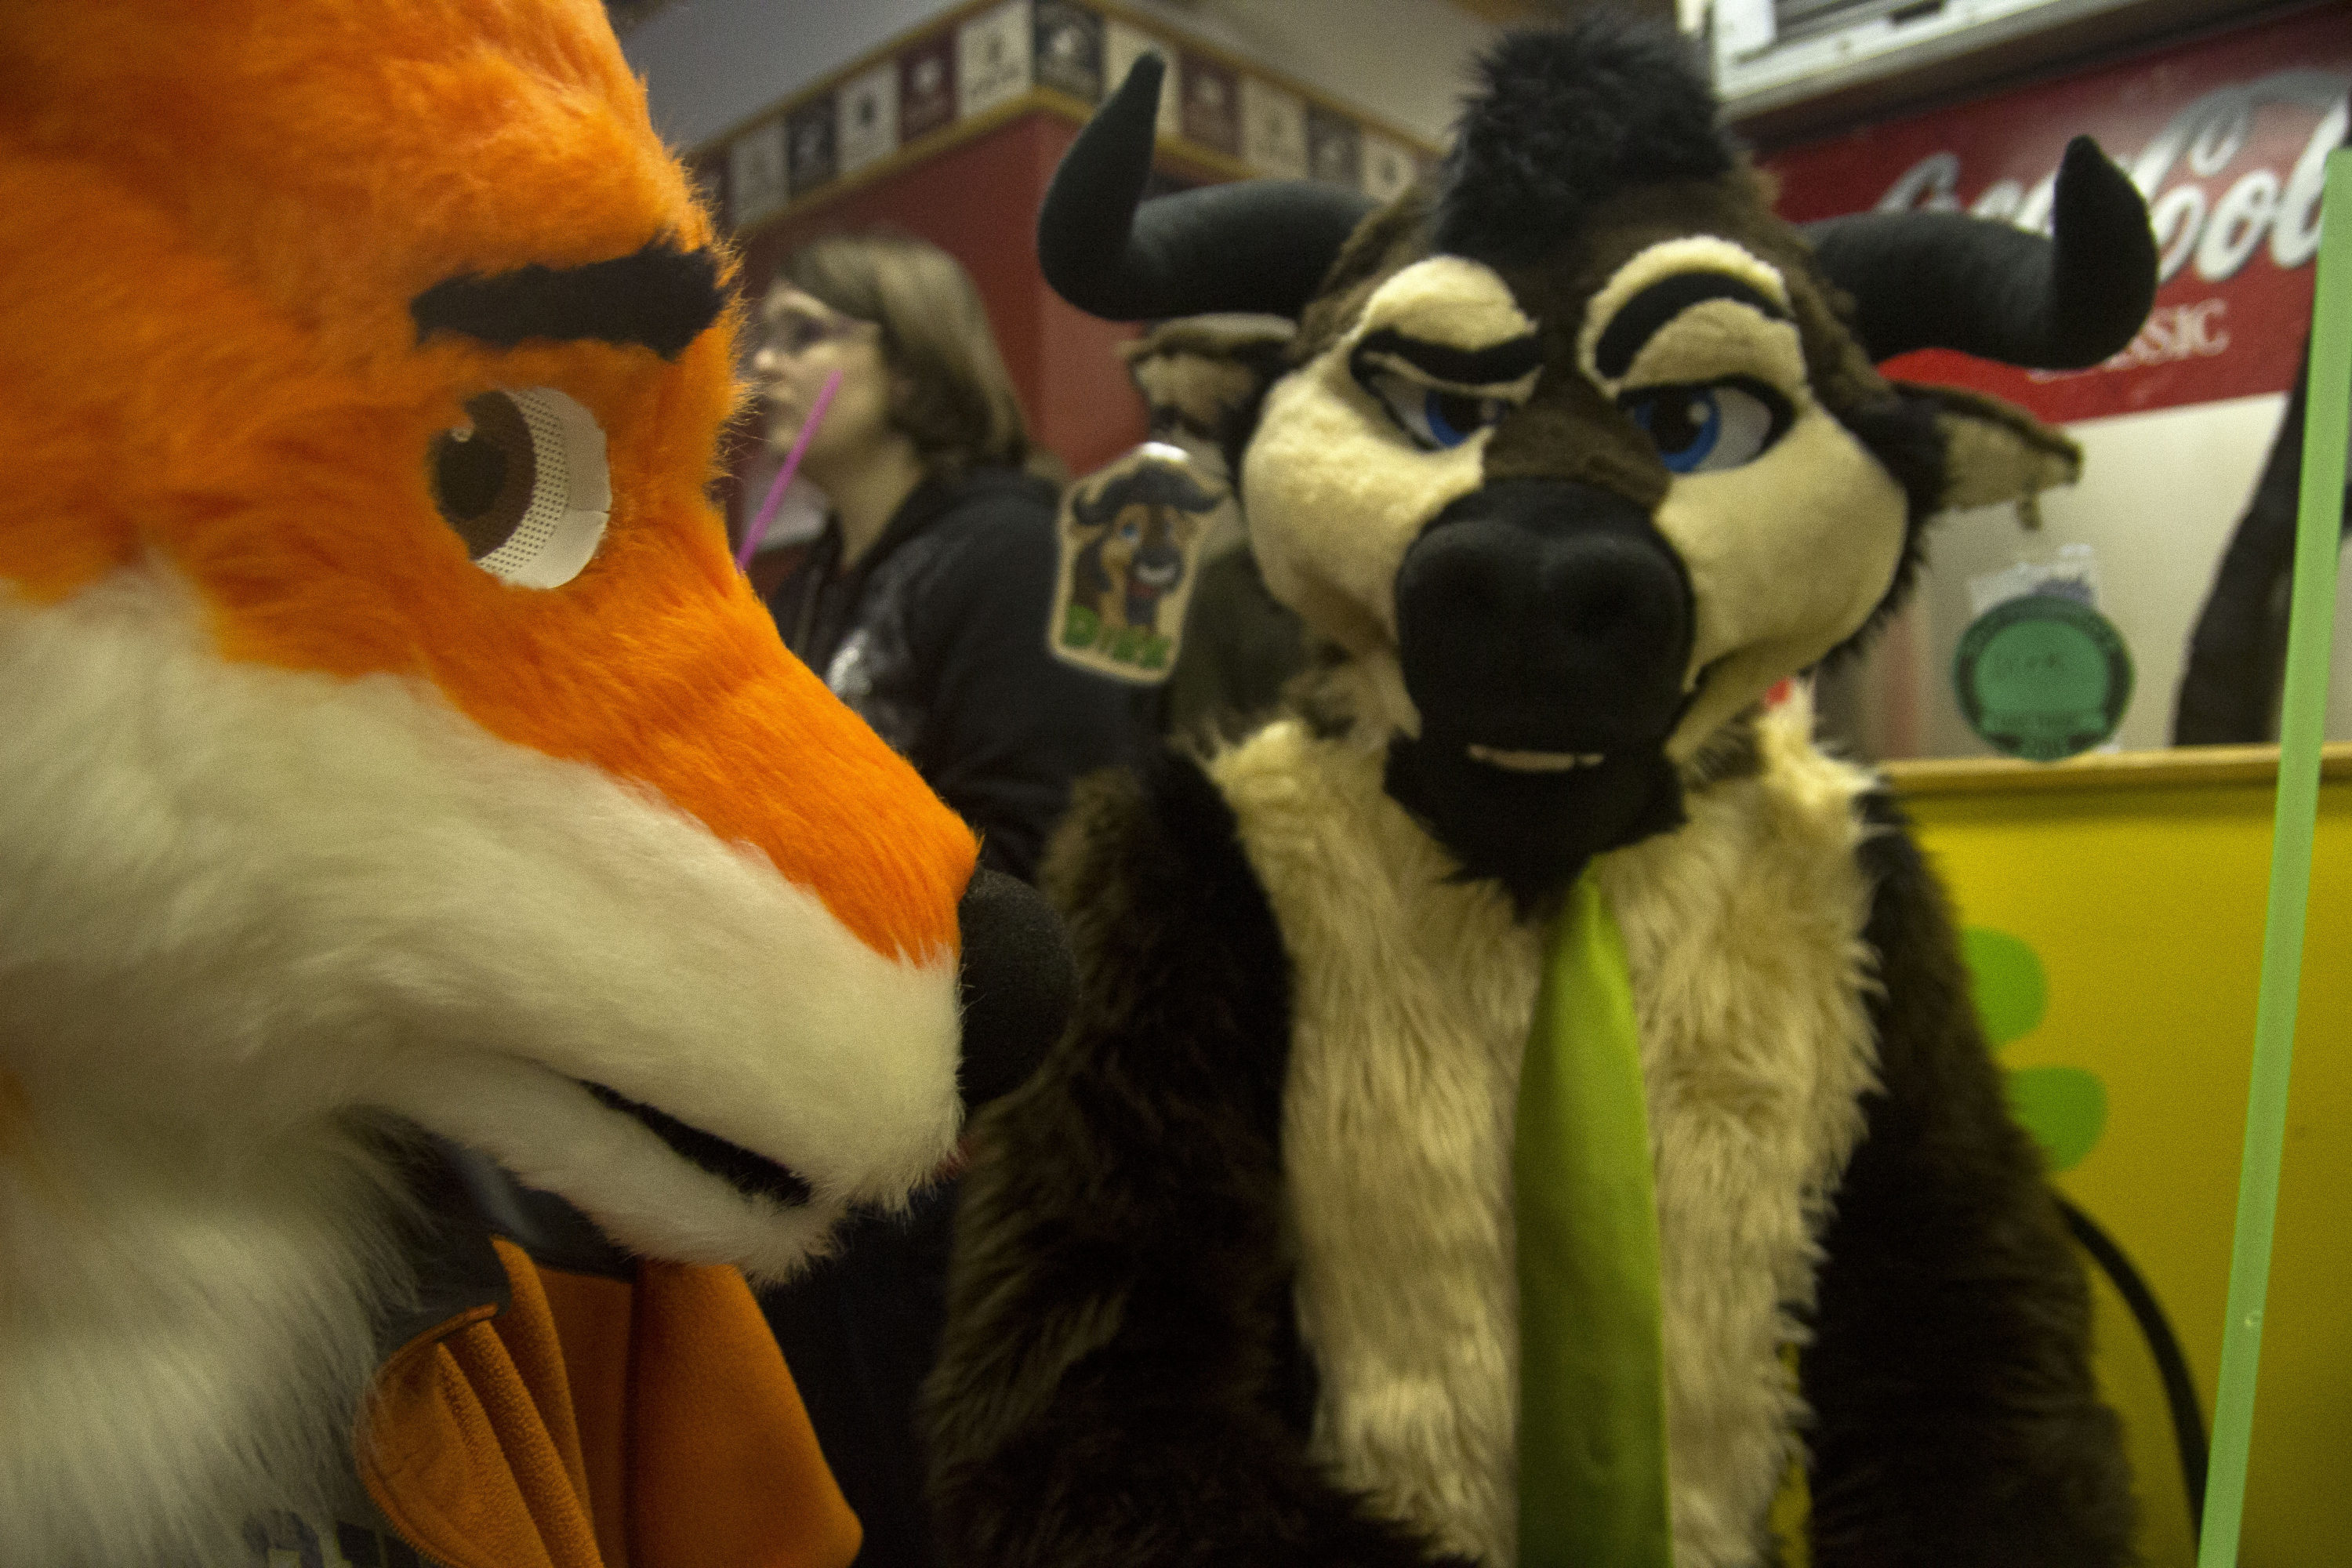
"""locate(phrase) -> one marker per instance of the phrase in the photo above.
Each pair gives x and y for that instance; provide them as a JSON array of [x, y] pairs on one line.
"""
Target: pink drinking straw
[[758, 529]]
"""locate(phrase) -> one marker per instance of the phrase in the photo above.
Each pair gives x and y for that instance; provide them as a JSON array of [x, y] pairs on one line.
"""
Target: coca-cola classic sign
[[2227, 136]]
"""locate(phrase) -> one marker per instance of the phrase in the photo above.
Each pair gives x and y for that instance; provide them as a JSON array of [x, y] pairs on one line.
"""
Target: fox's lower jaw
[[753, 1175]]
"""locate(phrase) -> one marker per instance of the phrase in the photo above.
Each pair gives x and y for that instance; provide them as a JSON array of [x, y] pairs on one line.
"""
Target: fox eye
[[523, 485], [1707, 428]]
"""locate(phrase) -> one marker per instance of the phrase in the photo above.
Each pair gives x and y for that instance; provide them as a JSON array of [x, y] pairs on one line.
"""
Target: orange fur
[[218, 212]]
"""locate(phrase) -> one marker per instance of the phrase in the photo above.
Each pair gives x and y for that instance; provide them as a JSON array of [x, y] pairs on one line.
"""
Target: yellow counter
[[2139, 882]]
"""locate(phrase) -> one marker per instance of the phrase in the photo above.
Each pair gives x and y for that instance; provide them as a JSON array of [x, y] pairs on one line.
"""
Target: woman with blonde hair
[[924, 605]]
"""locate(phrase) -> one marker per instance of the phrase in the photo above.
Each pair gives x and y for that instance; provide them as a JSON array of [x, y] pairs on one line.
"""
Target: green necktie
[[1593, 1431]]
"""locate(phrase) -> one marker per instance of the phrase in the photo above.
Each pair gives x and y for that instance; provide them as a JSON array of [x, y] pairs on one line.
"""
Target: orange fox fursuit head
[[444, 937]]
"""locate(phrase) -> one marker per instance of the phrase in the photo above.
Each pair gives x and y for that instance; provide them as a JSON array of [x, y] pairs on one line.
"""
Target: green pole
[[2302, 712]]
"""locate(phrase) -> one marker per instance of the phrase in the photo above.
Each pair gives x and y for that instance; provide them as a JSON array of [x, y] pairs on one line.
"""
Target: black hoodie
[[937, 637]]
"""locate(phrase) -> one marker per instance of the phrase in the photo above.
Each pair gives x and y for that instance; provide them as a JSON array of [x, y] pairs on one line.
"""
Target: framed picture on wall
[[927, 86], [1069, 50]]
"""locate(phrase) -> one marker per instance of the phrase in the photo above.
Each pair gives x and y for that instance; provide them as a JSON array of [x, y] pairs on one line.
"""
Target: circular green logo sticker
[[2043, 676]]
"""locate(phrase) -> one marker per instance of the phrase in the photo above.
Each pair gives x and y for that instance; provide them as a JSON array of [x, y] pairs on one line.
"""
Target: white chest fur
[[186, 1330], [1411, 1008]]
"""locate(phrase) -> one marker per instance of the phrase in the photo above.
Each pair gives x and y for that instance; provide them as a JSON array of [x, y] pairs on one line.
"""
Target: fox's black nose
[[1017, 983]]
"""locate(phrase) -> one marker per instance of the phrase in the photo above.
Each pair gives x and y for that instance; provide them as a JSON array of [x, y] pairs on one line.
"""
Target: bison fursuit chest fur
[[1236, 1270]]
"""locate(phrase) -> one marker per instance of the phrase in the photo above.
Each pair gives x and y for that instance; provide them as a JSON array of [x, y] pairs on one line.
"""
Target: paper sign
[[870, 117], [1070, 50], [808, 145], [1212, 108], [993, 58], [2043, 676], [1274, 129], [755, 173], [927, 87], [1388, 168], [1335, 150]]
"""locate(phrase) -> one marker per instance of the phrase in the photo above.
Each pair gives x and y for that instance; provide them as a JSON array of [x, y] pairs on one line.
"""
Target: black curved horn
[[1258, 245], [1924, 280]]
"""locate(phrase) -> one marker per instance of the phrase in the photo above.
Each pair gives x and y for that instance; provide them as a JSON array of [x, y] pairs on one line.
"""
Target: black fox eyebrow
[[1638, 320], [660, 297], [1495, 367]]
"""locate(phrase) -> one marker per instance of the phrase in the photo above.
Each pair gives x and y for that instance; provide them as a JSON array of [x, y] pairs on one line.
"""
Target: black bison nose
[[1016, 982], [1544, 614]]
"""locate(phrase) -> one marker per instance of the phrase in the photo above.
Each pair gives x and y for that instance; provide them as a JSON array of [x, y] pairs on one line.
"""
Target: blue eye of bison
[[1707, 428], [1434, 418]]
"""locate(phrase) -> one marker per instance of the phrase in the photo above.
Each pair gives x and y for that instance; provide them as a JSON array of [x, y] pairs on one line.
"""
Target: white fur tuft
[[1412, 997], [238, 904], [186, 1322]]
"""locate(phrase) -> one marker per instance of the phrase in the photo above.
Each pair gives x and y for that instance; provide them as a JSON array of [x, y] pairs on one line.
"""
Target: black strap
[[2179, 1391]]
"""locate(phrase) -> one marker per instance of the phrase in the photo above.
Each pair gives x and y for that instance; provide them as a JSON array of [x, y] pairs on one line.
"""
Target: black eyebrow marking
[[1495, 366], [1661, 302], [660, 297]]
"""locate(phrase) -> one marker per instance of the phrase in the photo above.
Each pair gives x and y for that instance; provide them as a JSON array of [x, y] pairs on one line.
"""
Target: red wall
[[977, 201]]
